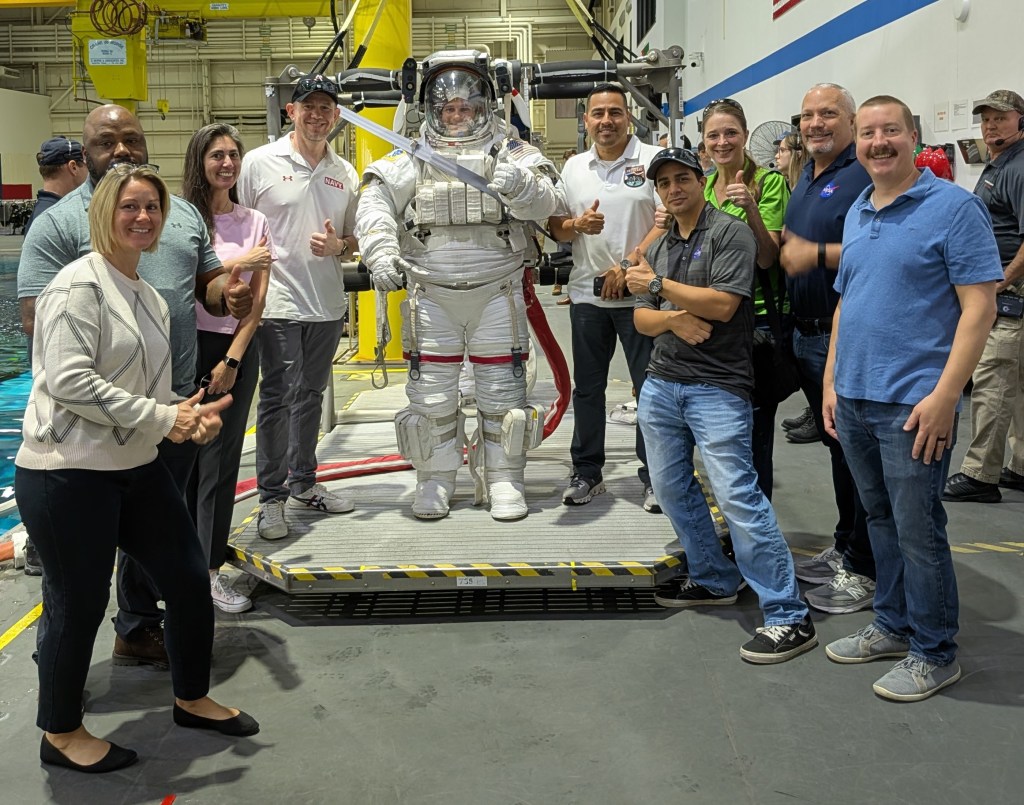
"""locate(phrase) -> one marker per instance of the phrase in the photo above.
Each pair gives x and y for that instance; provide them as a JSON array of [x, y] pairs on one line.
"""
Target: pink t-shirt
[[236, 233]]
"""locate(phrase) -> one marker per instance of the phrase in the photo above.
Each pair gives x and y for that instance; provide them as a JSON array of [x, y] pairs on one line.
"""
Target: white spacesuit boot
[[433, 491], [506, 428]]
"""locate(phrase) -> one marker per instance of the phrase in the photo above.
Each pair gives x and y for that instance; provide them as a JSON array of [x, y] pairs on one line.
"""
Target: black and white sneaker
[[683, 592], [772, 644], [581, 490]]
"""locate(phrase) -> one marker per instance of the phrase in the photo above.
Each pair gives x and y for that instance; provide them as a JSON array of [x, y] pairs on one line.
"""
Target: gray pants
[[295, 362]]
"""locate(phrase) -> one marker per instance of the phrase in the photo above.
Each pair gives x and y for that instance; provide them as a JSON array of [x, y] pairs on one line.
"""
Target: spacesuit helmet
[[457, 102]]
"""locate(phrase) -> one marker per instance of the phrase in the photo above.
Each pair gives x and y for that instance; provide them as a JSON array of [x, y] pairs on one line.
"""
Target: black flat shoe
[[238, 726], [116, 758]]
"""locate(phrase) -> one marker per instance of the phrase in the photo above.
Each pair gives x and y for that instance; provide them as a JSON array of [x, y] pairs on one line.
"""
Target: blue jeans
[[594, 331], [916, 595], [851, 532], [675, 418]]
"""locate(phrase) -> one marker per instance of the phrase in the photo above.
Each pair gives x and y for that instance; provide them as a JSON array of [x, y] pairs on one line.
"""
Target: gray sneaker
[[914, 679], [820, 568], [847, 592], [870, 643], [581, 490]]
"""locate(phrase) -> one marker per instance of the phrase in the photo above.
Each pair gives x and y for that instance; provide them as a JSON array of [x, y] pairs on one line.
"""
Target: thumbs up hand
[[326, 242], [739, 194], [237, 298], [187, 420], [590, 222], [209, 423], [258, 258]]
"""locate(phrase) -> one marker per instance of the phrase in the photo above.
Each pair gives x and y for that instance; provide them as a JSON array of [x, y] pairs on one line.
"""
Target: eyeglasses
[[318, 84], [678, 155], [721, 101]]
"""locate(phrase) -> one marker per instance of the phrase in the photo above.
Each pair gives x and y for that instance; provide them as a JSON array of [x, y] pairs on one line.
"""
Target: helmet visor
[[457, 104]]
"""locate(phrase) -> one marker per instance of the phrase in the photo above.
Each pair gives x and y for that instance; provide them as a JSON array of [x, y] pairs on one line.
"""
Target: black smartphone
[[599, 284], [1007, 304]]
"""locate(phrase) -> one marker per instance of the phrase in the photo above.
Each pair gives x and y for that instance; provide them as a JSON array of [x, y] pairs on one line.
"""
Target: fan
[[764, 141]]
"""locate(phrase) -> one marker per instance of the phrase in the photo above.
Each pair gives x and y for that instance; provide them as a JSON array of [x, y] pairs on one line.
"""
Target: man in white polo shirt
[[308, 194], [608, 210]]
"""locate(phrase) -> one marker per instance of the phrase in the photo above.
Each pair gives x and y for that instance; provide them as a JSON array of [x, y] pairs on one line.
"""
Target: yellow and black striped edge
[[285, 573]]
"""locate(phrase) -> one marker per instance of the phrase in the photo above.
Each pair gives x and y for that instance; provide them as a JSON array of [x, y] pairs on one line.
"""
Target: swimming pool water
[[15, 383]]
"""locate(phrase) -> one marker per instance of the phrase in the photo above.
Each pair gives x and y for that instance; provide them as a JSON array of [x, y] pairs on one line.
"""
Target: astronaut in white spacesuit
[[460, 254]]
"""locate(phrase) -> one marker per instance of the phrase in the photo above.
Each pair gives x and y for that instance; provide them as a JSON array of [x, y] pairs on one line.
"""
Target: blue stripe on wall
[[867, 17]]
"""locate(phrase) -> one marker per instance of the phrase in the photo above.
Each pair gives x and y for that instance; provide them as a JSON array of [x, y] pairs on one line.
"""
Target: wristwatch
[[344, 248], [624, 264], [231, 363], [654, 286]]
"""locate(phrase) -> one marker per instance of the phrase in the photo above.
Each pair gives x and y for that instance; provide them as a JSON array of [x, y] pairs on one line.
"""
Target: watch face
[[654, 286], [625, 265]]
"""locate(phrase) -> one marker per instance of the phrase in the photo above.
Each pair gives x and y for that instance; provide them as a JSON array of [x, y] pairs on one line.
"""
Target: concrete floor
[[586, 697]]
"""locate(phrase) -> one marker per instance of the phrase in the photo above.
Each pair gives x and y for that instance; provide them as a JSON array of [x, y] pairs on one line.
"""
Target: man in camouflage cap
[[997, 399]]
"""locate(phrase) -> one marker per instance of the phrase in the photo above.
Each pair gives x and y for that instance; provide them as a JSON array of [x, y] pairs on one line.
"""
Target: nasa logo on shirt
[[829, 190], [697, 253], [634, 176]]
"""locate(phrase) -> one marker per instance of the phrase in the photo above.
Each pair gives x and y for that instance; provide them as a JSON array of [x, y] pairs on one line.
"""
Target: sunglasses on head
[[318, 84], [125, 168], [721, 102]]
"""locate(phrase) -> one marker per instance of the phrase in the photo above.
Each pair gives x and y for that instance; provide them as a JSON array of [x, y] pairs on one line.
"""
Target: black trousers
[[211, 486], [595, 331], [78, 519]]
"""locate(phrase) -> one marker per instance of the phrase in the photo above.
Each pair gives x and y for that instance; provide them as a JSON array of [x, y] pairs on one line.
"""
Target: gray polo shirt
[[61, 235], [1001, 188], [720, 253]]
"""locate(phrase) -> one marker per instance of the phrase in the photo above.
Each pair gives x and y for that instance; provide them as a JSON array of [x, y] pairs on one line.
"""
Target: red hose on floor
[[552, 351], [395, 463]]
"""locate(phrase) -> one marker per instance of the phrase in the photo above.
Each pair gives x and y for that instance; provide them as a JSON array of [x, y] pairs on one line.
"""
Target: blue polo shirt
[[816, 212], [897, 276]]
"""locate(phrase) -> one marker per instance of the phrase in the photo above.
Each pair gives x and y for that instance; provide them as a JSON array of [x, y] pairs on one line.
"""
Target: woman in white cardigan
[[88, 479]]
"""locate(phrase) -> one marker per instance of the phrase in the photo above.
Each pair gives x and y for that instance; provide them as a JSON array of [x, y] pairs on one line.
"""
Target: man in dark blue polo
[[812, 241]]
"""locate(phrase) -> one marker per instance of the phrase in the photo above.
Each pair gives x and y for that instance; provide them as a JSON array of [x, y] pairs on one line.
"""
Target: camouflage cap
[[1002, 100]]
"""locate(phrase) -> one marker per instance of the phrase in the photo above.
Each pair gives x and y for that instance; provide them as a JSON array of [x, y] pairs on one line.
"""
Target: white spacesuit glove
[[510, 180], [388, 271]]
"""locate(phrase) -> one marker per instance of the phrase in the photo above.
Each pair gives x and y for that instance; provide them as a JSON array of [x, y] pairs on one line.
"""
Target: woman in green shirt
[[758, 196]]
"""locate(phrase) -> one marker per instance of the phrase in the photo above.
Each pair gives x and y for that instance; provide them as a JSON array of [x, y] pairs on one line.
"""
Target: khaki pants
[[997, 404]]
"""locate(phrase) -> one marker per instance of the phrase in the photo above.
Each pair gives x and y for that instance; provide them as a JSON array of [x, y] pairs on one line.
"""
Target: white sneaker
[[224, 597], [431, 502], [319, 498], [270, 523], [508, 501], [624, 414]]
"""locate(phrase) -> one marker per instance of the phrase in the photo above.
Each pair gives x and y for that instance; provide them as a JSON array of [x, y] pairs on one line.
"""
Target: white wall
[[24, 125], [925, 59]]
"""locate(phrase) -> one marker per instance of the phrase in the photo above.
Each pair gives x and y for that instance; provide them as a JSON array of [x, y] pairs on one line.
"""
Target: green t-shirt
[[771, 205]]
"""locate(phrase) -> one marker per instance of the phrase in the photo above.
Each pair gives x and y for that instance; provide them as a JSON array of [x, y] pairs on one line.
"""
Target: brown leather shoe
[[146, 648]]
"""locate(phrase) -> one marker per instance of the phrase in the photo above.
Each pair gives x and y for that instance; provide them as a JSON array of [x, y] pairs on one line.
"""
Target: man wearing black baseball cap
[[693, 297], [997, 396], [308, 193], [62, 167]]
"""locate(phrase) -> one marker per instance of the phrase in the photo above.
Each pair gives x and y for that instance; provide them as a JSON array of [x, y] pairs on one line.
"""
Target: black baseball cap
[[305, 87], [680, 155], [59, 151]]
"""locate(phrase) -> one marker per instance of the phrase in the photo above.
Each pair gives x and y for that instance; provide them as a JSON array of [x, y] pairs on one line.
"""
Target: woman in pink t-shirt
[[228, 353]]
